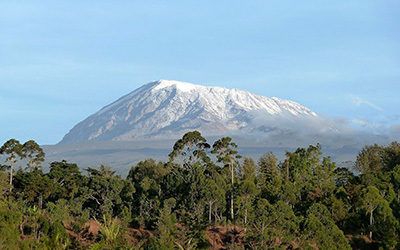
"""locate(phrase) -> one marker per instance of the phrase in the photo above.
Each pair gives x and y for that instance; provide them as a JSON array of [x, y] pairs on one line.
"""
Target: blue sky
[[60, 61]]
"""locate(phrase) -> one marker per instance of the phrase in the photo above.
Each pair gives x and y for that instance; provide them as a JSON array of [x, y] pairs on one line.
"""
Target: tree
[[166, 225], [34, 186], [321, 231], [343, 176], [371, 200], [57, 214], [322, 180], [396, 182], [67, 180], [12, 150], [190, 171], [339, 210], [379, 196], [226, 152], [309, 178], [190, 149], [269, 177], [276, 226], [298, 170], [214, 193], [103, 194], [247, 188], [369, 160], [10, 219], [33, 153], [148, 178], [4, 183]]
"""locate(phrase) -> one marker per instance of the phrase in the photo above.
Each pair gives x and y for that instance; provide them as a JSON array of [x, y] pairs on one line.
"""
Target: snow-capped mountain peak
[[182, 86], [168, 108]]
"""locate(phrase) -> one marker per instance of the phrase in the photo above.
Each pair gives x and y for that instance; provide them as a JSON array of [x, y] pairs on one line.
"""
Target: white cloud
[[358, 101]]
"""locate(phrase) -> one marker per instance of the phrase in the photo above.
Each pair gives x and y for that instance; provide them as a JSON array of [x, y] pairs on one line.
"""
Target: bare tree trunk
[[40, 201], [287, 172], [11, 178], [21, 226], [209, 211], [216, 215], [371, 221], [245, 216], [232, 182]]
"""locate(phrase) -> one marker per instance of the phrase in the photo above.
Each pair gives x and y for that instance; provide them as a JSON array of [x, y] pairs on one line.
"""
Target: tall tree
[[370, 159], [190, 149], [103, 192], [34, 186], [148, 179], [275, 227], [67, 180], [215, 193], [321, 231], [12, 151], [371, 200], [191, 162], [309, 177], [247, 190], [33, 153], [269, 177], [226, 152], [167, 226]]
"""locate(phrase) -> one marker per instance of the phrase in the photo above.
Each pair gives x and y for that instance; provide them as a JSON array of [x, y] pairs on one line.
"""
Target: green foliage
[[10, 218], [34, 186], [12, 150], [67, 180], [4, 184], [189, 202], [34, 154], [269, 177], [103, 192], [247, 192], [147, 177], [321, 231], [167, 226], [110, 230], [190, 149], [226, 152], [274, 226]]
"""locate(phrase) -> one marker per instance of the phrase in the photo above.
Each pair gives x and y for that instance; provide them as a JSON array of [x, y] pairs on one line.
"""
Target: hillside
[[167, 109]]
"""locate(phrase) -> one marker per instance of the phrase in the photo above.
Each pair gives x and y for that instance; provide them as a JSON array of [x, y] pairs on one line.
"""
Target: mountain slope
[[167, 109]]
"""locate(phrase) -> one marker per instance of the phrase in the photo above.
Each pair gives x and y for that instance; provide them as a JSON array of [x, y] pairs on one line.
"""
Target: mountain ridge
[[168, 108]]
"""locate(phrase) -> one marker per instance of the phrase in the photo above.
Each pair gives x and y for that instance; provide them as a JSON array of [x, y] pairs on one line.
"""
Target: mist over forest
[[203, 196]]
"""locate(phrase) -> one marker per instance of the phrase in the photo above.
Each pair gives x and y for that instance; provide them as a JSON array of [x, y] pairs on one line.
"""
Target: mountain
[[166, 109]]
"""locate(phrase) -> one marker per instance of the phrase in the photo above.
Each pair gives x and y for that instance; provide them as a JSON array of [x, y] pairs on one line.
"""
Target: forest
[[205, 196]]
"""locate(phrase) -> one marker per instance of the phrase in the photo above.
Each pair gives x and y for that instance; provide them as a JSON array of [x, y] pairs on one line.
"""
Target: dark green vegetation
[[205, 196]]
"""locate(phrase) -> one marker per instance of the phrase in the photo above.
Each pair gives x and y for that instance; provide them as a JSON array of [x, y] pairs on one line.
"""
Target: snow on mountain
[[167, 109]]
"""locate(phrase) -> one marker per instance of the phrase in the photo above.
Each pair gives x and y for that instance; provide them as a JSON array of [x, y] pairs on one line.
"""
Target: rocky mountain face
[[166, 109]]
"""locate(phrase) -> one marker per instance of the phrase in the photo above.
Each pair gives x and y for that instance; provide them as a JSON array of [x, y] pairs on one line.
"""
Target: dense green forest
[[205, 196]]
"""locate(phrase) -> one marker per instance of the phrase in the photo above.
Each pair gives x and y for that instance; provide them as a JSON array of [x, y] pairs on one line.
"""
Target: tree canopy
[[202, 197]]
